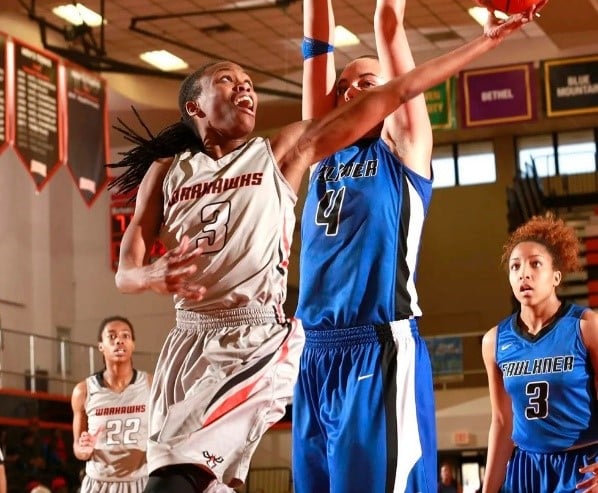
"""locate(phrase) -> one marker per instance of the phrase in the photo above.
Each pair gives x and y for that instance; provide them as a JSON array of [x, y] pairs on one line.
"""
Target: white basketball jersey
[[119, 453], [239, 209]]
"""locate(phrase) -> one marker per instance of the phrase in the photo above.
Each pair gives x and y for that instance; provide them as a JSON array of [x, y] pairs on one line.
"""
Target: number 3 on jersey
[[538, 400], [329, 210], [214, 218]]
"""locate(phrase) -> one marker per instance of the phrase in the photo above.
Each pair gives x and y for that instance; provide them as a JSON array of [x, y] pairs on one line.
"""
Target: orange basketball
[[508, 6]]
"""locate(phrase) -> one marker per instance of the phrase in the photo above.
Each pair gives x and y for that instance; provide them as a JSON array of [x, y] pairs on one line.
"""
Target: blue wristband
[[314, 47]]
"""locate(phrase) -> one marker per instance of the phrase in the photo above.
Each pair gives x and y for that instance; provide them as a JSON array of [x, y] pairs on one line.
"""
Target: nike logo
[[363, 377], [504, 347]]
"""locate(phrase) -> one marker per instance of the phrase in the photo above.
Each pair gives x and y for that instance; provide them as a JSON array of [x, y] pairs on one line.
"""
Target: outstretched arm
[[500, 445], [318, 68], [407, 131], [299, 145]]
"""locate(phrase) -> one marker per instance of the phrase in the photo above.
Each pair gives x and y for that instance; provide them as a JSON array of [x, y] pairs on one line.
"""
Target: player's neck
[[117, 376], [534, 319]]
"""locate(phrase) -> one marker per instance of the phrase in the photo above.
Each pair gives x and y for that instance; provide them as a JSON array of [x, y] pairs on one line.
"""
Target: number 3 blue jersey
[[550, 380], [360, 237]]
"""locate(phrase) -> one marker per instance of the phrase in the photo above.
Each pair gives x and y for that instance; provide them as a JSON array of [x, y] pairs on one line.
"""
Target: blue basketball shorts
[[554, 472], [363, 412]]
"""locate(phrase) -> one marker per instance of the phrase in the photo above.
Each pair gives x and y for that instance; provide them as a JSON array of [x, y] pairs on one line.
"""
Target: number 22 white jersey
[[119, 453]]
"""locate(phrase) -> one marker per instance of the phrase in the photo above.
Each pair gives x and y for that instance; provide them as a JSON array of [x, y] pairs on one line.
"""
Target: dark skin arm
[[500, 445], [169, 274], [589, 333]]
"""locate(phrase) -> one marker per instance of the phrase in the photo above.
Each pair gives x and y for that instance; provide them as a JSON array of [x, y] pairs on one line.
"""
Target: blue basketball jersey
[[550, 380], [360, 237]]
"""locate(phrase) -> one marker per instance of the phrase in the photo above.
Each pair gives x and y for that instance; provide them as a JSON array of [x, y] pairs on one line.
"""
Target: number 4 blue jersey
[[360, 237], [550, 380]]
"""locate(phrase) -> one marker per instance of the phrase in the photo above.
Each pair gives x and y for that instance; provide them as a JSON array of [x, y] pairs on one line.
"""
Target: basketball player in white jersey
[[222, 203], [110, 416]]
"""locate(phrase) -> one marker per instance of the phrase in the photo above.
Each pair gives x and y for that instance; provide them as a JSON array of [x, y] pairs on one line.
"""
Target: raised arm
[[500, 445], [300, 145], [318, 66], [169, 274], [407, 130]]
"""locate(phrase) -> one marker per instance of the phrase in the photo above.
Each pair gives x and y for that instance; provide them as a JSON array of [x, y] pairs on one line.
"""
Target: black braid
[[169, 142]]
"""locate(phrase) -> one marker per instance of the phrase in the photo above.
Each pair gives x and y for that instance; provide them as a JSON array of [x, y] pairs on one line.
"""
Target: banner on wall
[[35, 99], [87, 132], [498, 95], [441, 104], [3, 78], [571, 86], [446, 354]]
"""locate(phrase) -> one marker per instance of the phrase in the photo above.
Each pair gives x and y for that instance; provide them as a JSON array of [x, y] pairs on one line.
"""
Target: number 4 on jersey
[[329, 210]]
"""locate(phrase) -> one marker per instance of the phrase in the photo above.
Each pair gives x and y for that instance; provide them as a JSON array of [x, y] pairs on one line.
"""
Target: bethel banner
[[571, 86], [497, 95]]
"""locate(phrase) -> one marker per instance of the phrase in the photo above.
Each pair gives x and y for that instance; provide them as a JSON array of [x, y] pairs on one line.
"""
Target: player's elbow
[[80, 454], [386, 21], [123, 281]]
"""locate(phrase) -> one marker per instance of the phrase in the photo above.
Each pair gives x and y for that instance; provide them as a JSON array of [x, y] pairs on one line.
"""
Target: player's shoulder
[[489, 337], [150, 378], [589, 323], [590, 316], [142, 376], [288, 136], [79, 393]]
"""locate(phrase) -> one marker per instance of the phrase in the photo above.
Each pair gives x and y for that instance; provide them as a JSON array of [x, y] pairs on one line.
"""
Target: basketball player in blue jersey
[[541, 364], [364, 400], [222, 202]]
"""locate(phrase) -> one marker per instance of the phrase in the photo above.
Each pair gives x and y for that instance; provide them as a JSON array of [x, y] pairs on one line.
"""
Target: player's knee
[[182, 478]]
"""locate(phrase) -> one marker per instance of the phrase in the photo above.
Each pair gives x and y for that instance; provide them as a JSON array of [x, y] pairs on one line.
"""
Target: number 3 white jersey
[[239, 209], [119, 453]]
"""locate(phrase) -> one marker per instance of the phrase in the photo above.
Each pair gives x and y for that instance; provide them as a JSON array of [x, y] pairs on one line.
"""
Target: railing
[[563, 189], [269, 480], [40, 363]]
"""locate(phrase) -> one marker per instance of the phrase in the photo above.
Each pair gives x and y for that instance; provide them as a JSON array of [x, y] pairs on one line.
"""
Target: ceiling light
[[164, 60], [261, 3], [344, 37], [77, 14], [480, 14], [252, 3]]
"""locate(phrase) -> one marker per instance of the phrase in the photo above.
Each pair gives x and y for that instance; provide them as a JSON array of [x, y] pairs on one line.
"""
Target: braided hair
[[170, 141]]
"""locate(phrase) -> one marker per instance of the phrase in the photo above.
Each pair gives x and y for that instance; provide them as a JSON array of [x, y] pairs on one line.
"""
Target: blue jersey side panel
[[551, 384], [360, 238]]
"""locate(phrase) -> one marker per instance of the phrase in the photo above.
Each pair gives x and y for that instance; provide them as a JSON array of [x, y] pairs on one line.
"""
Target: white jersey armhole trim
[[277, 168]]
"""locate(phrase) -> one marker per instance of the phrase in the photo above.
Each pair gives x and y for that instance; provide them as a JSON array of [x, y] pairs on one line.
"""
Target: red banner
[[3, 86], [86, 133], [36, 117]]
